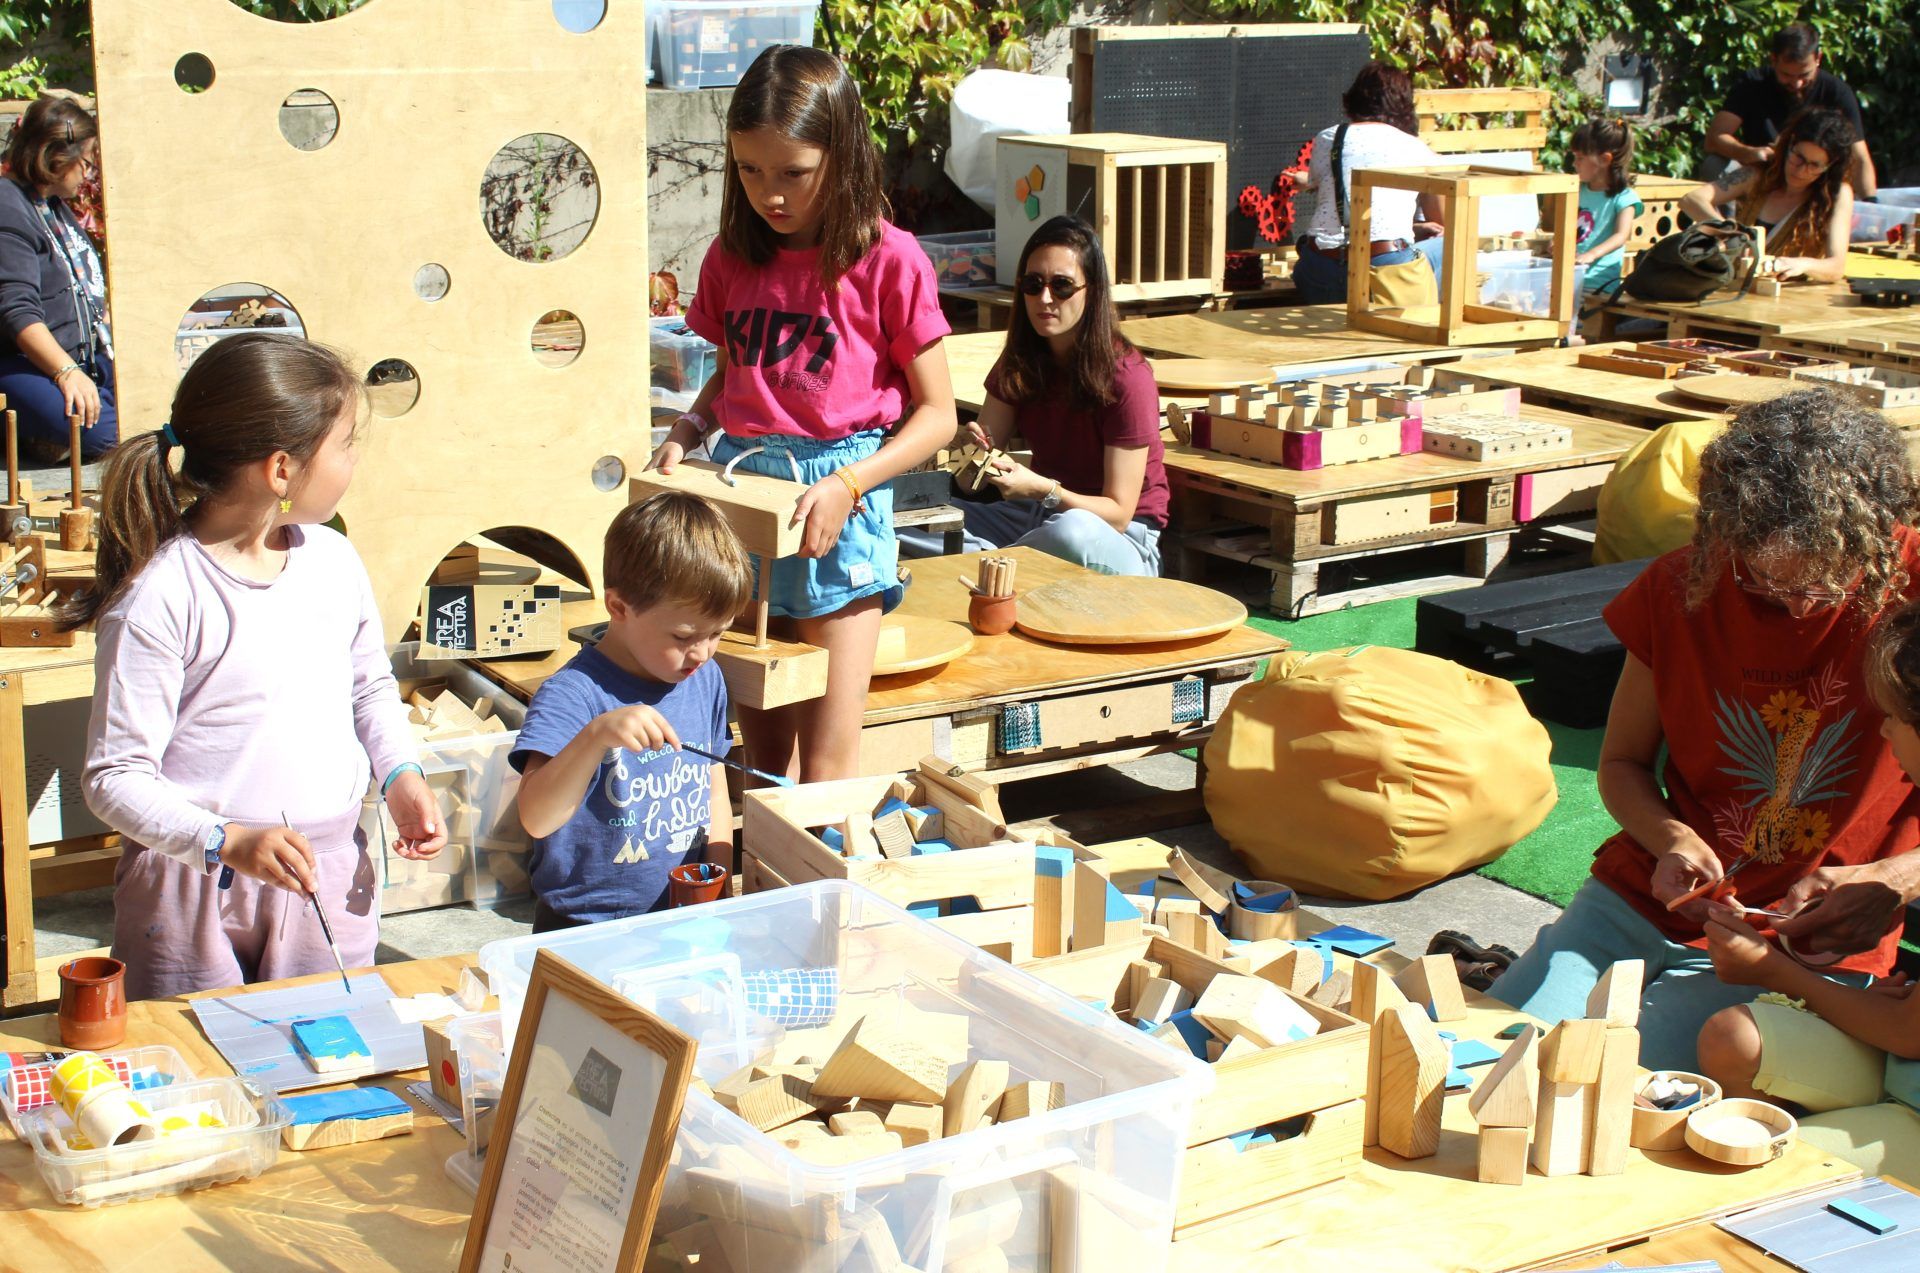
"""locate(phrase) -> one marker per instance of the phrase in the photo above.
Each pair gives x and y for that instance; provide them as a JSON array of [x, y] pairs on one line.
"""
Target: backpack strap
[[1340, 175]]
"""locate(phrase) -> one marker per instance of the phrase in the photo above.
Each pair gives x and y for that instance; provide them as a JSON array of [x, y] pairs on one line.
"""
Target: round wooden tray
[[1126, 610], [909, 643], [1736, 389], [1207, 375], [1741, 1132]]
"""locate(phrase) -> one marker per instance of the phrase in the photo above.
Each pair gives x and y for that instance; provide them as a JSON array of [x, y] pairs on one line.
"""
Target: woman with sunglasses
[[1073, 388], [1801, 196], [1744, 666], [57, 359]]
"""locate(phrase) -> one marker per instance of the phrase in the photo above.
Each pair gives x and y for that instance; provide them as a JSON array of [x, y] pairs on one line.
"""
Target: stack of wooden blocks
[[1286, 1112]]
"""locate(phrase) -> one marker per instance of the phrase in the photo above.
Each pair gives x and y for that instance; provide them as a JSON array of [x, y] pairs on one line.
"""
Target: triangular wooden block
[[1572, 1050], [974, 1096], [1432, 982], [1413, 1082], [1616, 996], [880, 1061], [1297, 970], [1374, 995], [1505, 1097]]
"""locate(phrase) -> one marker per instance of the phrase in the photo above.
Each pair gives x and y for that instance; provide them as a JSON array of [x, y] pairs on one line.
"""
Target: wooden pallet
[[1552, 621]]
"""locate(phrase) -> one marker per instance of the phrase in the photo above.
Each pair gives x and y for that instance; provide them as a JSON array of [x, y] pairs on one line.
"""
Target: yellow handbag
[[1404, 286]]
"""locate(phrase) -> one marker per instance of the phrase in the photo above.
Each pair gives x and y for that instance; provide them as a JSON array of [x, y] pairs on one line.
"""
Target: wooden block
[[927, 822], [1615, 998], [1237, 1048], [1374, 995], [1572, 1050], [1432, 982], [442, 1067], [916, 1124], [1297, 970], [1506, 1095], [1052, 900], [801, 1129], [972, 1098], [838, 1151], [856, 835], [774, 1101], [1413, 1082], [1160, 1000], [76, 529], [1022, 1100], [1191, 874], [1101, 913], [894, 835], [1336, 991], [758, 507], [322, 1120], [331, 1045], [855, 1122], [1187, 924], [1503, 1155], [1235, 1005], [1560, 1128], [1139, 973], [1612, 1120], [883, 1060]]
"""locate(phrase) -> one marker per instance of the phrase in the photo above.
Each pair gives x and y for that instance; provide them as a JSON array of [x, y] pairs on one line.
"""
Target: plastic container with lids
[[1104, 1166], [146, 1068]]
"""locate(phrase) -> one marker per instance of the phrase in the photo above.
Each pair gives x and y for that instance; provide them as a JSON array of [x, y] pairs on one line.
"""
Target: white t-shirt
[[1367, 146]]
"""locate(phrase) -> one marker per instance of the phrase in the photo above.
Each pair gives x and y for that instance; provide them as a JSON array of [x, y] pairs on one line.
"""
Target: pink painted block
[[1202, 422], [1301, 451], [1412, 434]]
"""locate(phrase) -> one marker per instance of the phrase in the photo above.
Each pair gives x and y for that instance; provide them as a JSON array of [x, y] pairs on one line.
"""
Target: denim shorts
[[864, 563]]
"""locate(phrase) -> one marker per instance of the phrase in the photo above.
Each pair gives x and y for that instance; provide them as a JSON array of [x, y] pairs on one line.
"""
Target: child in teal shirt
[[1602, 150]]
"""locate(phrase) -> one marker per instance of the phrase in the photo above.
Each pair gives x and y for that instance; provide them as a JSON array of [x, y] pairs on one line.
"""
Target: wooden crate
[[1158, 204], [1453, 121], [995, 869], [1324, 1077], [1879, 387], [1459, 318]]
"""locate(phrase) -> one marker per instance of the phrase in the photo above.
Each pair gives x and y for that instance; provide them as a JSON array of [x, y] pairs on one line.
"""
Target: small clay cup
[[93, 1003], [692, 883], [991, 616]]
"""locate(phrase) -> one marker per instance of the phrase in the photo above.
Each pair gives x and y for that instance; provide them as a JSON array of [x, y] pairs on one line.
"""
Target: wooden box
[[1441, 114], [995, 869], [1879, 387], [1459, 318], [1158, 204], [1778, 363], [1324, 1077]]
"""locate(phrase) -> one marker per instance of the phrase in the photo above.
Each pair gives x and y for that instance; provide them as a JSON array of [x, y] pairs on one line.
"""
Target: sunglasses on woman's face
[[1060, 285]]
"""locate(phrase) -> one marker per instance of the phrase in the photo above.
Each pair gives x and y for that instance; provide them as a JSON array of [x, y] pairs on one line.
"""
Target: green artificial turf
[[1554, 860]]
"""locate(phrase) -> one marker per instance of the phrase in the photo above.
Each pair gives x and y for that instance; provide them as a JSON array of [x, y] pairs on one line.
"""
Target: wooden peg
[[1413, 1082]]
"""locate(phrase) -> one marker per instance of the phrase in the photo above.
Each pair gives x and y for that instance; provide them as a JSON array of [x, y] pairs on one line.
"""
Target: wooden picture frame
[[568, 1020]]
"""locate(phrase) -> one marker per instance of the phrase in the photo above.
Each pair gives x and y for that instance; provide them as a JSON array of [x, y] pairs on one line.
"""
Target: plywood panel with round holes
[[205, 189]]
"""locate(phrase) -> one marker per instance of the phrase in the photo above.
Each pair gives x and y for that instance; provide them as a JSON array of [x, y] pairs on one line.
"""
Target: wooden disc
[[1125, 610], [1736, 389], [1207, 375], [909, 643]]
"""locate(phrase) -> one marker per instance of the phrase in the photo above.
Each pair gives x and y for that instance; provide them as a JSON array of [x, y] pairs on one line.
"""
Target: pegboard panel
[[1263, 92], [205, 191]]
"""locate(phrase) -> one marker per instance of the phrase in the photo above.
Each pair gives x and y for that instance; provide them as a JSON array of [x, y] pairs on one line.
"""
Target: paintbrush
[[325, 927], [762, 774]]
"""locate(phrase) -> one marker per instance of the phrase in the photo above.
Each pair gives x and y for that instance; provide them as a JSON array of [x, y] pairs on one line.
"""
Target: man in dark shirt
[[1762, 100]]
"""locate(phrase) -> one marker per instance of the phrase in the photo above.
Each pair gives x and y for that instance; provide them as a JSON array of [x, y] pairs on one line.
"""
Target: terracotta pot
[[991, 616], [695, 882], [93, 1003]]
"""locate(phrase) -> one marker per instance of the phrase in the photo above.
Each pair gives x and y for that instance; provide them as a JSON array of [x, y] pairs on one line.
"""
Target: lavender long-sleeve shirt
[[220, 699]]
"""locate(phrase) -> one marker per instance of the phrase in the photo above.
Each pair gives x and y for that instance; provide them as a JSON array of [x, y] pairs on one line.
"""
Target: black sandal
[[1477, 966]]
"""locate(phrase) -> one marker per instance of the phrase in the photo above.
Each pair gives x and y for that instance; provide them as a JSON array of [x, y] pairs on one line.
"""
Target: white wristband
[[699, 423]]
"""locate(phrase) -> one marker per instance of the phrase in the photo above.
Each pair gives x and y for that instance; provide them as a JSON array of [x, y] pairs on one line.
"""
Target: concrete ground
[[1490, 911]]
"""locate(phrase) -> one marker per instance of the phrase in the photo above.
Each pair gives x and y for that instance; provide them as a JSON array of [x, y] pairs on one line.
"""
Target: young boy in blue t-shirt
[[610, 800]]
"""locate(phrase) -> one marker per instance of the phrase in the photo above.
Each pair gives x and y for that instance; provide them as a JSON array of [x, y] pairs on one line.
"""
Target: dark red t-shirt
[[1773, 746], [1069, 443]]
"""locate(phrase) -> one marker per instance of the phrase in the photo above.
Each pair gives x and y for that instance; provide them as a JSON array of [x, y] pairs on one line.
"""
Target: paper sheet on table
[[253, 1031]]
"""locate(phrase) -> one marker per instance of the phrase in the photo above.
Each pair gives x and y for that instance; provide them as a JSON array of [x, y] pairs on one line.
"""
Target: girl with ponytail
[[243, 693]]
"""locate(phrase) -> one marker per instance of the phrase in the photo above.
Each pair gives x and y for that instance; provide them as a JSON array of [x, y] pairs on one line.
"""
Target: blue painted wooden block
[[331, 1043]]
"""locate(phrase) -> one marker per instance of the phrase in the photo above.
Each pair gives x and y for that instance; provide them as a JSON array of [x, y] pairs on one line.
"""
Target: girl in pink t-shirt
[[829, 372], [243, 693]]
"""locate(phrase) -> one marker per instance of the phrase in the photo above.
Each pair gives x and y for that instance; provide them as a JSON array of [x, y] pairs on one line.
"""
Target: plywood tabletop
[[1800, 307], [1285, 335]]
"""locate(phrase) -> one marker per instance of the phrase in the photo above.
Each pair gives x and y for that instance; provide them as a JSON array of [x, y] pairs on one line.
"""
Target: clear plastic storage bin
[[28, 1087], [479, 1047], [703, 44], [681, 362], [245, 1147], [1871, 221], [1899, 196], [965, 258], [1097, 1174], [1527, 289]]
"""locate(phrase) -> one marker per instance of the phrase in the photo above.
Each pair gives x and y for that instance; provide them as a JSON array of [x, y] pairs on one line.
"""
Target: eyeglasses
[[1799, 160], [1060, 285], [1822, 597]]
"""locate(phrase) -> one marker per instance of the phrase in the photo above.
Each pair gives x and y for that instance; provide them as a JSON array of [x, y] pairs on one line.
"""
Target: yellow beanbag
[[1647, 505], [1372, 771]]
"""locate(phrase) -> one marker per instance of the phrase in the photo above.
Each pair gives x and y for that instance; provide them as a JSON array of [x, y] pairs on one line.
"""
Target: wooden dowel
[[73, 459], [13, 459]]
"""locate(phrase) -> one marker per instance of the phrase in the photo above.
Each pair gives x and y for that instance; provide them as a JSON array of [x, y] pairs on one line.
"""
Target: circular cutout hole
[[608, 472], [431, 281], [579, 16], [193, 73], [301, 12], [392, 387], [539, 197], [558, 338], [308, 119], [229, 311]]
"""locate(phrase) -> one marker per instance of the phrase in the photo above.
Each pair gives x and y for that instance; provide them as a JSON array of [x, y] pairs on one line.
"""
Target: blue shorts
[[865, 561]]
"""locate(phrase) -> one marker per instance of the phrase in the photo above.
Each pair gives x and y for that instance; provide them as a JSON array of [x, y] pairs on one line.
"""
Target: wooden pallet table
[[1292, 523], [1893, 343], [993, 303], [1799, 308], [1553, 377], [1015, 707], [1290, 335]]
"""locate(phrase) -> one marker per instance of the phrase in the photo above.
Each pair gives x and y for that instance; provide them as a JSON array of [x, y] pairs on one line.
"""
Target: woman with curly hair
[[1744, 664], [1801, 197]]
